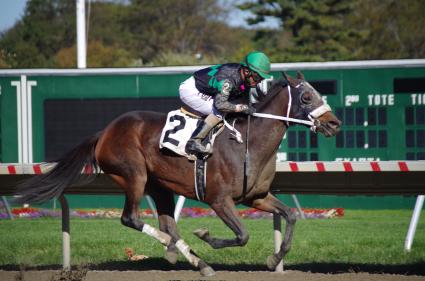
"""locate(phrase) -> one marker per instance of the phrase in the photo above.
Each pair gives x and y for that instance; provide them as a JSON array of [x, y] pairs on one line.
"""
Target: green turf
[[360, 237]]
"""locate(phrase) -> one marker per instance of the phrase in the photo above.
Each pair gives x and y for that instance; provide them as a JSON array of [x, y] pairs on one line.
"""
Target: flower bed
[[194, 212]]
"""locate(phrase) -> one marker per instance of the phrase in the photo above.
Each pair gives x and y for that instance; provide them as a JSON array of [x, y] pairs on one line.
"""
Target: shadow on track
[[163, 265]]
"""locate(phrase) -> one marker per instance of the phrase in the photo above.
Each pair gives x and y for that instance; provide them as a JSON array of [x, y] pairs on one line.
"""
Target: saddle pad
[[177, 131]]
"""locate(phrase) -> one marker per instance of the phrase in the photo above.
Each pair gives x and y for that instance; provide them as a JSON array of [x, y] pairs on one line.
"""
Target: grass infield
[[359, 237]]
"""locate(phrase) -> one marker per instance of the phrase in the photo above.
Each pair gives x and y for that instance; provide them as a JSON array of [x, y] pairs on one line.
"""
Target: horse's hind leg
[[164, 200], [134, 189], [273, 205], [226, 210]]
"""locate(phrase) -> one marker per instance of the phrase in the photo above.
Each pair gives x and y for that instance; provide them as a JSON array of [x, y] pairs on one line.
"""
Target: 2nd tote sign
[[24, 115]]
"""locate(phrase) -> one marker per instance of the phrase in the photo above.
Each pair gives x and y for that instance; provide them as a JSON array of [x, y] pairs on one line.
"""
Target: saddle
[[178, 129]]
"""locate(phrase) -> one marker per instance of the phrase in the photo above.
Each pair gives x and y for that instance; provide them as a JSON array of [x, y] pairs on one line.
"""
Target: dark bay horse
[[128, 150]]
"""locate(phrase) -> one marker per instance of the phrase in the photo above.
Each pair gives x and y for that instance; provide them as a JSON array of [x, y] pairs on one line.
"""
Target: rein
[[313, 123], [287, 118], [283, 118]]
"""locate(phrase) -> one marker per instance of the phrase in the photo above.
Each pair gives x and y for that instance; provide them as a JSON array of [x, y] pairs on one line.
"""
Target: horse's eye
[[306, 98]]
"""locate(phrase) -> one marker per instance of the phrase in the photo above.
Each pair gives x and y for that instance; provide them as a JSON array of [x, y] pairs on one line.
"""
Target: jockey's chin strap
[[313, 115]]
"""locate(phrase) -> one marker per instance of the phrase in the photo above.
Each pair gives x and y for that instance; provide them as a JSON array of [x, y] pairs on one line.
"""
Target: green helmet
[[258, 62]]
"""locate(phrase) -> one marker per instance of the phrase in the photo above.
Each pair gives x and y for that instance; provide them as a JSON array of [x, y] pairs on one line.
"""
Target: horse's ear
[[291, 81], [284, 75], [300, 75]]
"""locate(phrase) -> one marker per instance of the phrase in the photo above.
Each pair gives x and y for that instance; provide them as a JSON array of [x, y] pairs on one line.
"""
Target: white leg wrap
[[185, 250], [155, 233]]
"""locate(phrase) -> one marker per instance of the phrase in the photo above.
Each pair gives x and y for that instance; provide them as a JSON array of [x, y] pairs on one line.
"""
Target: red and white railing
[[336, 166], [289, 166]]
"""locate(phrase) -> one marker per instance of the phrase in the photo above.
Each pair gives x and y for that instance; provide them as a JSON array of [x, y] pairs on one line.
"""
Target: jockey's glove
[[249, 110]]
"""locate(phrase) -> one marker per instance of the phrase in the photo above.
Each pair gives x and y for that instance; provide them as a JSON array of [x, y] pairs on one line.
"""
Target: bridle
[[313, 115], [313, 123]]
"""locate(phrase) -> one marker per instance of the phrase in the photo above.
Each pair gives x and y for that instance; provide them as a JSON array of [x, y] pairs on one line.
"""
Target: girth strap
[[200, 167]]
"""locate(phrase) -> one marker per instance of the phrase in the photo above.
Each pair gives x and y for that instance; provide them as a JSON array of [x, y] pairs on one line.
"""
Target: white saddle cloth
[[177, 131]]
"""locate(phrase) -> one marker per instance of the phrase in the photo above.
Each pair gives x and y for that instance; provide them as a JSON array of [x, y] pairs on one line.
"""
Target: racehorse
[[128, 150]]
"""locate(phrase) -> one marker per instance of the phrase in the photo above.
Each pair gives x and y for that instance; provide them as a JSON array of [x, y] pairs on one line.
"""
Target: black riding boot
[[194, 144]]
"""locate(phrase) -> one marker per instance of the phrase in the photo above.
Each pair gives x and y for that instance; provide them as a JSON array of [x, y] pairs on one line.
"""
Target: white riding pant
[[198, 101]]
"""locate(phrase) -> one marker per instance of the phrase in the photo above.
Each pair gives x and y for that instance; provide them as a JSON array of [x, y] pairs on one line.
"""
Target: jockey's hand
[[249, 110]]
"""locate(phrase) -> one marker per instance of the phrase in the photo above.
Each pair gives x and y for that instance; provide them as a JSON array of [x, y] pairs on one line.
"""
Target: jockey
[[209, 91]]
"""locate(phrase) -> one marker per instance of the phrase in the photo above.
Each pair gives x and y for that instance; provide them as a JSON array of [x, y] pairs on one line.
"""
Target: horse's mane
[[264, 99], [275, 89]]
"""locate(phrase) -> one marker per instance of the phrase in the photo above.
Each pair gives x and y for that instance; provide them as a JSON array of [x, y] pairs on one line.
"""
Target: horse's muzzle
[[329, 125], [329, 128]]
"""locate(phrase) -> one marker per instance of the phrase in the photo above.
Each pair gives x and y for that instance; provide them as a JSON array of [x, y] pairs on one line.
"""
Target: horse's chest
[[262, 179]]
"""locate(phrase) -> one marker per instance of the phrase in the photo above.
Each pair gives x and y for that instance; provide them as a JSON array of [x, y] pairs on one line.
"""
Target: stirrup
[[195, 146]]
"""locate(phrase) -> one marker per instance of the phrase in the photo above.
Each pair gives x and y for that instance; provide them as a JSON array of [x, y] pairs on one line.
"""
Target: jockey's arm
[[222, 103]]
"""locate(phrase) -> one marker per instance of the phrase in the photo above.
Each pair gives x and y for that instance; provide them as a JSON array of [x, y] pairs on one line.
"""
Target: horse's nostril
[[334, 124]]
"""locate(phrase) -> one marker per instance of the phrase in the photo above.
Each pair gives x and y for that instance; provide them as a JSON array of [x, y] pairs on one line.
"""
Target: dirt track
[[156, 275]]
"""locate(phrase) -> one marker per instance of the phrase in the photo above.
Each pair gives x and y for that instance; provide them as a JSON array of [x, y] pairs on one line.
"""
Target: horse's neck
[[268, 133]]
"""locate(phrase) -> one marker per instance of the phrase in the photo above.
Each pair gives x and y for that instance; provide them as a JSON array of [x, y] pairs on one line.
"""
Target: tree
[[106, 23], [393, 29], [314, 30], [46, 26], [98, 55], [136, 32], [3, 58], [181, 26]]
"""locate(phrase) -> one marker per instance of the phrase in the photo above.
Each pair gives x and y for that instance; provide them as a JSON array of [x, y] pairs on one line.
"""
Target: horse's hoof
[[207, 271], [171, 257], [272, 262], [201, 232]]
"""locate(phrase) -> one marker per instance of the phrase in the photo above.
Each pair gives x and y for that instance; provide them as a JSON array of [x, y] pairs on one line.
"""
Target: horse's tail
[[66, 172]]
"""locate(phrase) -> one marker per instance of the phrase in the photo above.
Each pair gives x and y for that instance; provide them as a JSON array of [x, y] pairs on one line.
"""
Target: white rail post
[[7, 207], [152, 206], [277, 226], [414, 223], [179, 207], [81, 34], [298, 205], [66, 236]]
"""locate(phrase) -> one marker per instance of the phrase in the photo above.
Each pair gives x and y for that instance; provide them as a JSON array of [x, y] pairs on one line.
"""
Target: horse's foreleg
[[167, 225], [273, 205], [226, 210], [164, 200]]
